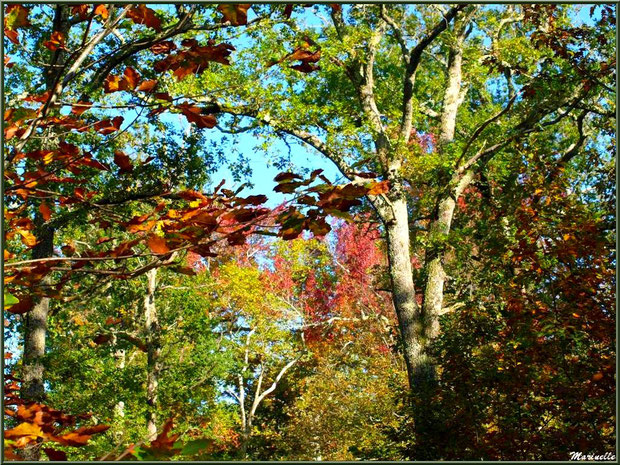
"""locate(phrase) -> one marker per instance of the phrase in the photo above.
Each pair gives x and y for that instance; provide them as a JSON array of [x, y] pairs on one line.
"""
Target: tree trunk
[[35, 327], [153, 344], [436, 276], [403, 290]]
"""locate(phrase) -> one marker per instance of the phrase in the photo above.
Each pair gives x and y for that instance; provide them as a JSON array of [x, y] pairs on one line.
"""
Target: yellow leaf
[[27, 237]]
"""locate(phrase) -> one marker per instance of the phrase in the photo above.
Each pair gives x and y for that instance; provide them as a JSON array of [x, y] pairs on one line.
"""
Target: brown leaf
[[56, 455], [235, 13], [80, 436], [141, 14], [123, 162], [193, 115], [112, 83], [305, 67], [16, 16], [166, 46], [157, 245], [286, 177], [80, 107], [163, 442], [148, 85], [101, 338], [131, 78], [24, 305], [46, 211]]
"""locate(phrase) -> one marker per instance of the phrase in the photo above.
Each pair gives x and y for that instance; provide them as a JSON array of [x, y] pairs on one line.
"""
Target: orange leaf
[[131, 77], [141, 14], [123, 162], [56, 41], [235, 14], [157, 245], [46, 211], [597, 376], [29, 430], [112, 83], [102, 11], [379, 188], [80, 107], [147, 86]]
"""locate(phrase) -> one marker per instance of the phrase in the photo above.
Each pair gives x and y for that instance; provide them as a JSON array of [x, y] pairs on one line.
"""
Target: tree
[[469, 90]]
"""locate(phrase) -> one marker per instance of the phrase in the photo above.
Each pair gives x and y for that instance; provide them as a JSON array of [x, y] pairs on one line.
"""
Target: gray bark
[[153, 345], [35, 326], [403, 291]]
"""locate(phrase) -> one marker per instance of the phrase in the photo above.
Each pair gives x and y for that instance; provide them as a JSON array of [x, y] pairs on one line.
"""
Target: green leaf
[[9, 300], [193, 447]]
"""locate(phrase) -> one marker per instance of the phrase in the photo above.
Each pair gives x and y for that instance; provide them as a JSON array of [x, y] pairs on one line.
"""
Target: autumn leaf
[[234, 13], [16, 16], [28, 238], [57, 41], [28, 430], [141, 14], [193, 115], [123, 162], [166, 46], [147, 86], [157, 245], [80, 436], [101, 10], [379, 188], [112, 83], [45, 210], [131, 78], [55, 455], [24, 305], [9, 300], [80, 107]]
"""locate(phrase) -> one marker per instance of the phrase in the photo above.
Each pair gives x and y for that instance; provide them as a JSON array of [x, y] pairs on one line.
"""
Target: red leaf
[[141, 14], [13, 36], [157, 245], [24, 305], [123, 162]]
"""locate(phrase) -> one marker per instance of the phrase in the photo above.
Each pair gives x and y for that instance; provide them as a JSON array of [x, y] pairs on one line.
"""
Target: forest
[[315, 231]]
